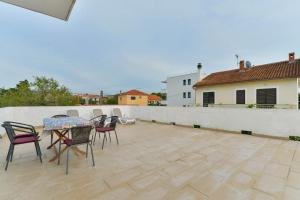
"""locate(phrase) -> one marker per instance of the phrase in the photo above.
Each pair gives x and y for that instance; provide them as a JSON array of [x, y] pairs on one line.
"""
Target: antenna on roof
[[237, 60], [248, 64]]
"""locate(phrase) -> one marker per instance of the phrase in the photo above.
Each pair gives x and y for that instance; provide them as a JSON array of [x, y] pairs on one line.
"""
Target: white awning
[[56, 8]]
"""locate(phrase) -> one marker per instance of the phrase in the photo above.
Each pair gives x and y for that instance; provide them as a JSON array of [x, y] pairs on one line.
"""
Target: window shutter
[[240, 97], [208, 98]]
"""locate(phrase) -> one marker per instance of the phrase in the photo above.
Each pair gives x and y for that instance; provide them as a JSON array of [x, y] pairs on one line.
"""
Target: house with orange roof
[[273, 85], [154, 100], [133, 97], [89, 98]]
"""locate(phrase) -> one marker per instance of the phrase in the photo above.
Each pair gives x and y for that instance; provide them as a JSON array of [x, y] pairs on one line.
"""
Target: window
[[266, 97], [189, 82], [240, 97], [184, 95], [132, 98], [208, 98], [189, 95], [184, 82]]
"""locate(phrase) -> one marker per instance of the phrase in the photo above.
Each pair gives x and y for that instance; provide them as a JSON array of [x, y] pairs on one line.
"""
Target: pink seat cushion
[[23, 135], [68, 142], [24, 140], [104, 129]]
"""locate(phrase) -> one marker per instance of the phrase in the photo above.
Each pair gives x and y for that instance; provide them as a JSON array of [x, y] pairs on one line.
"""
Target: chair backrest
[[81, 135], [99, 120], [117, 112], [60, 116], [9, 131], [102, 120], [97, 112], [73, 113], [113, 121]]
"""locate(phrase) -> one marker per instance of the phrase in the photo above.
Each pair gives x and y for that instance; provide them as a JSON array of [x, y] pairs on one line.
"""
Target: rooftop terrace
[[155, 161]]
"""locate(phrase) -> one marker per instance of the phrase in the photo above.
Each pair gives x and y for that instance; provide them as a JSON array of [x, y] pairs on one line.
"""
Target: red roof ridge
[[268, 71], [134, 92]]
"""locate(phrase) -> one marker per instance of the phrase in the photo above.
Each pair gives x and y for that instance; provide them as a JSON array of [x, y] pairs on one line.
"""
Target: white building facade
[[180, 90]]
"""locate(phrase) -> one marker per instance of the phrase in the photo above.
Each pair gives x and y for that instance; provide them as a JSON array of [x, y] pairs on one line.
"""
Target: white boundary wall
[[272, 122], [35, 115]]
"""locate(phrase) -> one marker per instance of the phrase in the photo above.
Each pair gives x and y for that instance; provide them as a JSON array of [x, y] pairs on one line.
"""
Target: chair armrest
[[24, 128], [96, 117], [111, 121], [20, 124]]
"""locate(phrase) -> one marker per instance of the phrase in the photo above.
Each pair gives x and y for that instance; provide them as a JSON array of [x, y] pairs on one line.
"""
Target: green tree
[[92, 102], [42, 92], [21, 95], [112, 100], [50, 93]]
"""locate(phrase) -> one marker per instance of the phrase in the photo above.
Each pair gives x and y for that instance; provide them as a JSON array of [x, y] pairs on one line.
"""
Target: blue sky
[[132, 44]]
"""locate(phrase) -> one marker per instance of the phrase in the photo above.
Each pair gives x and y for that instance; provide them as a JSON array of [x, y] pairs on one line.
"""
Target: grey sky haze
[[125, 44]]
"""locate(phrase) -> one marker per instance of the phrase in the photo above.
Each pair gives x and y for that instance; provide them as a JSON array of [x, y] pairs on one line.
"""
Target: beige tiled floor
[[160, 162]]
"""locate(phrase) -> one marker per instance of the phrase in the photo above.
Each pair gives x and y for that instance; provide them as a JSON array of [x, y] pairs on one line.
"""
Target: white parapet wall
[[34, 115], [272, 122]]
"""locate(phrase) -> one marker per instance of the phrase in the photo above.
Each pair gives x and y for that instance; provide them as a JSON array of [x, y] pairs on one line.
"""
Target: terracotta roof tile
[[88, 95], [154, 98], [134, 92], [278, 70]]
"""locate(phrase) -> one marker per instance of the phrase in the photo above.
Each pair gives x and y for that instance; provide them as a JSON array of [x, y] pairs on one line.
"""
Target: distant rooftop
[[278, 70], [134, 92]]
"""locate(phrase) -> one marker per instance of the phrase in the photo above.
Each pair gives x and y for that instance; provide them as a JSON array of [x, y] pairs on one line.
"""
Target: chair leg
[[117, 137], [51, 138], [95, 137], [109, 136], [12, 152], [59, 149], [8, 153], [8, 156], [92, 154], [67, 167], [39, 152], [103, 140], [87, 149]]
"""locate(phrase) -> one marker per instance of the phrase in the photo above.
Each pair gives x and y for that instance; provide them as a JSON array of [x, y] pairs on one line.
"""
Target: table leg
[[77, 150], [56, 153], [60, 135]]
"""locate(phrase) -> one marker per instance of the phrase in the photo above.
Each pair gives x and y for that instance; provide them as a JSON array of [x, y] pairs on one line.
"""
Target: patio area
[[156, 161]]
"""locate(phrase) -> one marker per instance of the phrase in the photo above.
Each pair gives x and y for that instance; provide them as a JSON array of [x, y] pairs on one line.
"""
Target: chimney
[[292, 57], [242, 65], [199, 67]]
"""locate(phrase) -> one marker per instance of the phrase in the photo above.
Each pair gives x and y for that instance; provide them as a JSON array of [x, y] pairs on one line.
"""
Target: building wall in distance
[[287, 91], [175, 90], [140, 100]]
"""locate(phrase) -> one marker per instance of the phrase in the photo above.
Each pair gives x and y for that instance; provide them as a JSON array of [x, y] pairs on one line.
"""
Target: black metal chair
[[29, 135], [111, 126], [99, 122], [80, 136]]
